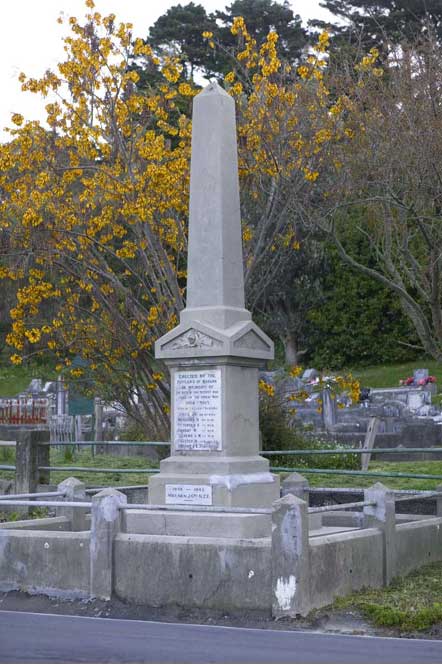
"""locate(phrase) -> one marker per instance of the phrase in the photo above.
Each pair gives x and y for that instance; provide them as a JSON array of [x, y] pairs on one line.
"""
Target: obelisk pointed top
[[213, 87], [215, 283]]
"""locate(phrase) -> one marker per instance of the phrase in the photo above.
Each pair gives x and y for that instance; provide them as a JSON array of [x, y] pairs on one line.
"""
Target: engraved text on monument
[[197, 411]]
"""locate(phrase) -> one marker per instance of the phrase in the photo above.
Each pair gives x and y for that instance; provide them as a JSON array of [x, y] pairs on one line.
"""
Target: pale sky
[[31, 39]]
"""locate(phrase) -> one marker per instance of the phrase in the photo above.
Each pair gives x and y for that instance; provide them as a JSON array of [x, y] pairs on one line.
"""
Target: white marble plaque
[[188, 494], [197, 410]]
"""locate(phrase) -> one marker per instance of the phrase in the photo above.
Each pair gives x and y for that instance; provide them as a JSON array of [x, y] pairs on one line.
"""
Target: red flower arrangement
[[421, 381]]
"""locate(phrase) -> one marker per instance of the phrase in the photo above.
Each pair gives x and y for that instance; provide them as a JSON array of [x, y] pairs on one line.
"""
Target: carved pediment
[[251, 341], [192, 339]]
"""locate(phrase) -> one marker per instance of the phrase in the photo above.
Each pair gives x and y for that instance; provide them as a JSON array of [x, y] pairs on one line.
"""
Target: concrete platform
[[198, 524], [203, 524]]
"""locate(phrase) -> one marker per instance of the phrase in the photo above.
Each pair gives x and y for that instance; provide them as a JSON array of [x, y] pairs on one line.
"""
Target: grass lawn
[[410, 603], [85, 458], [389, 375], [114, 478], [414, 467], [14, 379]]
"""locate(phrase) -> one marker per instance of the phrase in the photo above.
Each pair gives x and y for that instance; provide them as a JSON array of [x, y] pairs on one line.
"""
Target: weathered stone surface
[[105, 525], [290, 558], [297, 485], [382, 515], [343, 563], [75, 491], [215, 245], [417, 542], [198, 524], [50, 563], [193, 572], [215, 352]]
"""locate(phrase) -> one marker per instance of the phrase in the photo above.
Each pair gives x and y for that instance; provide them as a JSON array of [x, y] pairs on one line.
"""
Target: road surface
[[37, 637]]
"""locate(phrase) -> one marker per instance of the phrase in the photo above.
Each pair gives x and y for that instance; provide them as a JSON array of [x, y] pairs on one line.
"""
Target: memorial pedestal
[[214, 457]]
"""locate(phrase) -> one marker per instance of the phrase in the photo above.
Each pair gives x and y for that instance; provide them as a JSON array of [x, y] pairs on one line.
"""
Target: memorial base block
[[241, 489], [199, 524]]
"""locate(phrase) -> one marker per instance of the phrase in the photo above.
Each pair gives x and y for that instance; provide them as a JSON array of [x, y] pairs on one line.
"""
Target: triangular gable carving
[[192, 339], [251, 341]]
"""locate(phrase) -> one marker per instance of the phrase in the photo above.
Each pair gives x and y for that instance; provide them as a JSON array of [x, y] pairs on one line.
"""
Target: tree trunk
[[290, 348]]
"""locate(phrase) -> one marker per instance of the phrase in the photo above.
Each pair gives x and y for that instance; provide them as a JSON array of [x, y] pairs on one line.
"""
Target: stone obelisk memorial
[[214, 353]]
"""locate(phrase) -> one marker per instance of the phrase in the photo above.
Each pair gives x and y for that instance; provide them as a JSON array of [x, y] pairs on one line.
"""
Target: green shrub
[[344, 332], [415, 619], [408, 604], [7, 454], [279, 433], [68, 453]]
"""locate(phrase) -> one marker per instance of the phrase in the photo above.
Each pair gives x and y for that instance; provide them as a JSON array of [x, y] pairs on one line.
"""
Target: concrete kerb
[[383, 516], [107, 519], [74, 491], [290, 557]]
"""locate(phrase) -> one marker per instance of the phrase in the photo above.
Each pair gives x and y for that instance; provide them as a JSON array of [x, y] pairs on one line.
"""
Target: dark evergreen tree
[[377, 22], [285, 303], [358, 322], [261, 16], [179, 31]]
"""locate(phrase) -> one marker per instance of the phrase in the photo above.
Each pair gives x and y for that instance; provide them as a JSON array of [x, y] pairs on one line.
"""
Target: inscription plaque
[[197, 410], [188, 494]]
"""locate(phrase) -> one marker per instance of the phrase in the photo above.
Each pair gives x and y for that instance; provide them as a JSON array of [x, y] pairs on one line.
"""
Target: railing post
[[43, 456], [74, 491], [383, 516], [98, 425], [107, 521], [297, 485], [290, 557], [439, 501], [31, 451], [26, 462]]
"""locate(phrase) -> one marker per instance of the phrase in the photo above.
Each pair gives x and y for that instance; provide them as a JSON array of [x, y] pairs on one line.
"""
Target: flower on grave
[[422, 381], [406, 381]]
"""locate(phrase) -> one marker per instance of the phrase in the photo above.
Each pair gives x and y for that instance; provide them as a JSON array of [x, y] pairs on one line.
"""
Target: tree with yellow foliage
[[94, 208]]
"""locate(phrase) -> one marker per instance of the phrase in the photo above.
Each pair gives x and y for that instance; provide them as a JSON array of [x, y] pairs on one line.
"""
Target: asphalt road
[[34, 637]]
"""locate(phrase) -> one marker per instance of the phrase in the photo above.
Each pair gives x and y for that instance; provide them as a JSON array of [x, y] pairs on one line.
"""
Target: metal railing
[[46, 503], [92, 469], [120, 488], [348, 489], [34, 500], [419, 496], [342, 506], [101, 443], [47, 494], [195, 508], [362, 473], [340, 451], [266, 453]]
